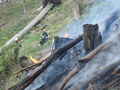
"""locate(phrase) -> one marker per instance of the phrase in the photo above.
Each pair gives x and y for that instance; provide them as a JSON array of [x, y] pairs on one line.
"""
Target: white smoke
[[105, 14]]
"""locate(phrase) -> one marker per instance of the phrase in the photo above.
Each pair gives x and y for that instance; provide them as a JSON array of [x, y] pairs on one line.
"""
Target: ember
[[66, 35], [34, 60]]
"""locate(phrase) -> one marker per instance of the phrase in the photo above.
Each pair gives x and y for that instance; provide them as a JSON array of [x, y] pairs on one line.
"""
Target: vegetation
[[16, 20], [7, 61]]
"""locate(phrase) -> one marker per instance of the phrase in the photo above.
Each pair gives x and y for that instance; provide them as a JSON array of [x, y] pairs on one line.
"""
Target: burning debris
[[77, 65], [71, 72]]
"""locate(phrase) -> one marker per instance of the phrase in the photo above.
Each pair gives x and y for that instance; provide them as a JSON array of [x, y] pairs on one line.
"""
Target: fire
[[34, 60], [66, 35]]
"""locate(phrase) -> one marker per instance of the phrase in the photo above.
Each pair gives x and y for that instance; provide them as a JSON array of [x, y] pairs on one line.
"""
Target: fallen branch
[[69, 76], [100, 76], [26, 68], [93, 53], [110, 84], [115, 73], [29, 79]]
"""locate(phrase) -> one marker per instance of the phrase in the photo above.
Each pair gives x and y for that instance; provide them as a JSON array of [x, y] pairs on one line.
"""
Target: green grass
[[57, 18], [16, 20]]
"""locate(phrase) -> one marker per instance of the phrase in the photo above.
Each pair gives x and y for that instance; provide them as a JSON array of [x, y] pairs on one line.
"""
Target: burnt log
[[30, 78], [91, 37]]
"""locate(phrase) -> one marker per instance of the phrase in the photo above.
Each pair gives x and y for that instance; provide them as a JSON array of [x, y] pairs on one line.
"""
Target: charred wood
[[110, 84], [29, 79], [98, 49], [100, 76], [70, 75], [91, 37], [93, 53]]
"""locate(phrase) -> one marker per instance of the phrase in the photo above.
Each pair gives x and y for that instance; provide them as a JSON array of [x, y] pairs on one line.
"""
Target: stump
[[91, 37]]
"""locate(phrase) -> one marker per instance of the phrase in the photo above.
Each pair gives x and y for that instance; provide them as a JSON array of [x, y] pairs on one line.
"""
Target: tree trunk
[[75, 10], [24, 6]]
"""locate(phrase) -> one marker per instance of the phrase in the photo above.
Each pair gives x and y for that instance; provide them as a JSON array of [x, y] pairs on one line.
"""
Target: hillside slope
[[14, 20]]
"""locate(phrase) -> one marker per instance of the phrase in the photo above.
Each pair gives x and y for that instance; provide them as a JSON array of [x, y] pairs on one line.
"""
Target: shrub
[[7, 60]]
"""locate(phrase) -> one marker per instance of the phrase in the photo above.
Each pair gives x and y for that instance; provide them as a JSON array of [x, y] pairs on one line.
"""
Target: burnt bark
[[29, 79], [91, 37]]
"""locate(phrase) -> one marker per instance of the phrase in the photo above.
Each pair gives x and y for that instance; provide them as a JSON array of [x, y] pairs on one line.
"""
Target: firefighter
[[43, 37]]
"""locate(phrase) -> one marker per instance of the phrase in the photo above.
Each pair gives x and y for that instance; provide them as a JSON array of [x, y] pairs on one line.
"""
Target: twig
[[115, 72], [110, 84]]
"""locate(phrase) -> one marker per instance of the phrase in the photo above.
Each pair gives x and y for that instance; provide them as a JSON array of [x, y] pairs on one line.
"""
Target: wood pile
[[92, 39]]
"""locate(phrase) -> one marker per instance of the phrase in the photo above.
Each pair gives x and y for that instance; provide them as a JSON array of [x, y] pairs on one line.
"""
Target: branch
[[93, 53], [70, 75]]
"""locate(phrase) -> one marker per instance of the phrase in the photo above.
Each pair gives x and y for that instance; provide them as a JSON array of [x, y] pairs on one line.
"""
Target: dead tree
[[75, 10], [24, 6], [29, 79], [92, 38]]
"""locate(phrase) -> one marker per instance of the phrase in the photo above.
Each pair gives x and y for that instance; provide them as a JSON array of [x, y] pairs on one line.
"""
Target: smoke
[[108, 55], [99, 14], [107, 15]]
